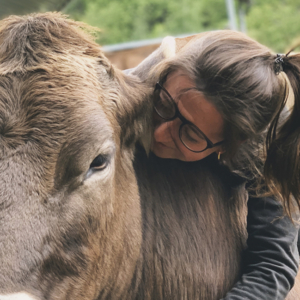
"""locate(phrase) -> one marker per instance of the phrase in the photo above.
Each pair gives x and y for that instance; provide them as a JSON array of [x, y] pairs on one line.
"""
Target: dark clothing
[[272, 258]]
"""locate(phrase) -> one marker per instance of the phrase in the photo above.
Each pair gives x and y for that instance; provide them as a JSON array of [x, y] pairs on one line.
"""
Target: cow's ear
[[166, 50], [129, 100], [136, 117]]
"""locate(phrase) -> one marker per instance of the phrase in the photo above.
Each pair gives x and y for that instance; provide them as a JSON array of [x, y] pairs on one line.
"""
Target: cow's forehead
[[27, 42], [49, 103], [49, 78]]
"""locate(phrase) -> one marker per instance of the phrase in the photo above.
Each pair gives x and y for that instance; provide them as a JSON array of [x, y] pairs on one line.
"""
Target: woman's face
[[193, 107]]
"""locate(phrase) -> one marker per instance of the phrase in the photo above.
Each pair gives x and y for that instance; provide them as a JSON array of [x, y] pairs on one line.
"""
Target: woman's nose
[[165, 132]]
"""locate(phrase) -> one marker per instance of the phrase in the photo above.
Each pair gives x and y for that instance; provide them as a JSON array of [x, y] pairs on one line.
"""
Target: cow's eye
[[99, 163]]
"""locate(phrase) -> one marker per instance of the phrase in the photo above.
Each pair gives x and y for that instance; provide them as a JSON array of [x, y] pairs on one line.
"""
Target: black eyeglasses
[[190, 135]]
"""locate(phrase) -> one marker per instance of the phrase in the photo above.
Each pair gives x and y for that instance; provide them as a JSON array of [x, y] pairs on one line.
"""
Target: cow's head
[[69, 207]]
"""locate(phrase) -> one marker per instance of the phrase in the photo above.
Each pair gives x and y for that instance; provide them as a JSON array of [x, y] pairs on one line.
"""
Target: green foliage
[[274, 23], [141, 19], [22, 7], [76, 9]]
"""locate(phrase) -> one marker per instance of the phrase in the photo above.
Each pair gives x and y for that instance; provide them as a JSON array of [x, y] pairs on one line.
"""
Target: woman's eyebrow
[[182, 92]]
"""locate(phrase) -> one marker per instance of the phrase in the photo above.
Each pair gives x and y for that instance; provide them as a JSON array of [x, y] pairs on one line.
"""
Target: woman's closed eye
[[193, 135]]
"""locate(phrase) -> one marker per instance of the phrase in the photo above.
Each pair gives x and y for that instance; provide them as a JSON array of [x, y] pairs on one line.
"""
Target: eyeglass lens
[[164, 105], [189, 134]]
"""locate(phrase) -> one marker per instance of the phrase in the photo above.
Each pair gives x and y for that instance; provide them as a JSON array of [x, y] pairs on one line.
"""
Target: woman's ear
[[220, 150]]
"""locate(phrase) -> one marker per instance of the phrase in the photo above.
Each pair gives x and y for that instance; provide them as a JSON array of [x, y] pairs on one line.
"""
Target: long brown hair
[[240, 77], [282, 166]]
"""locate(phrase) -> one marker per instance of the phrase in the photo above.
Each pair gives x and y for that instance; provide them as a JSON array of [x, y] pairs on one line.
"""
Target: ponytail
[[282, 166]]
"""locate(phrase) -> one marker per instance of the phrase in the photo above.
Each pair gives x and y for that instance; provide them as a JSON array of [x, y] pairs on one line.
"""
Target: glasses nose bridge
[[179, 116], [174, 126]]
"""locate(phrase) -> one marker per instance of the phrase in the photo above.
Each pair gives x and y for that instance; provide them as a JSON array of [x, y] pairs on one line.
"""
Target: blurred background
[[132, 29]]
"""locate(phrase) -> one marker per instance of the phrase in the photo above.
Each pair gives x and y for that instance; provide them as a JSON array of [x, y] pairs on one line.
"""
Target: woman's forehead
[[178, 81]]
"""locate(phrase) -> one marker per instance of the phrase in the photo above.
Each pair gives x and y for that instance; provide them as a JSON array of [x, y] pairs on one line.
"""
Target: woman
[[215, 94]]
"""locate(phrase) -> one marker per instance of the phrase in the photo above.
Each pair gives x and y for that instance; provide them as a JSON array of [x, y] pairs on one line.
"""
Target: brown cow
[[70, 216], [75, 223]]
